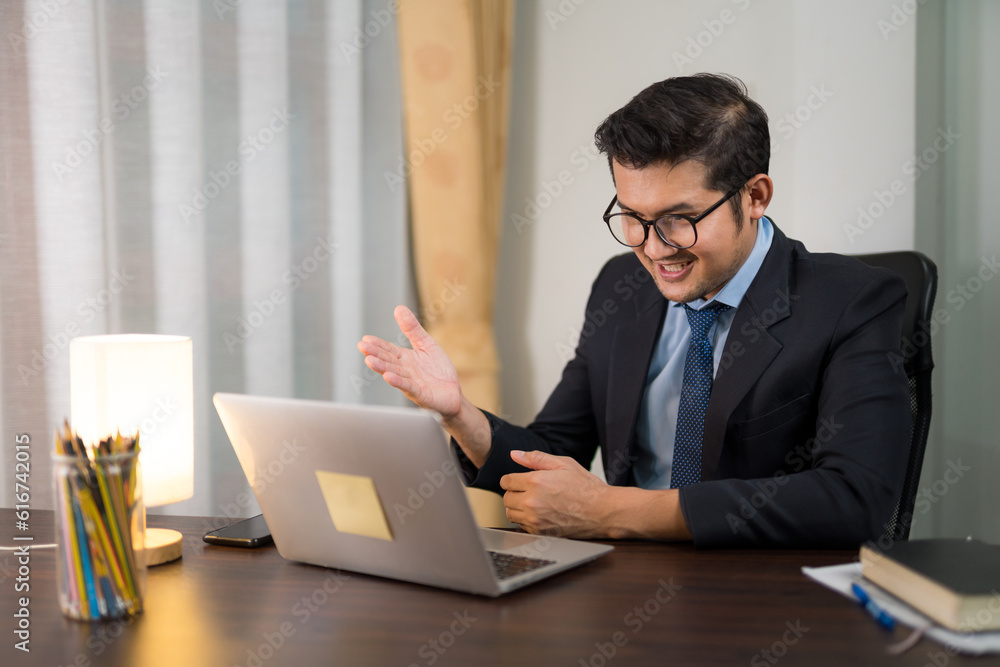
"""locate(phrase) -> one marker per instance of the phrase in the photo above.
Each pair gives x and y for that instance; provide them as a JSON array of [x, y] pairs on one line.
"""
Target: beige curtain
[[455, 69]]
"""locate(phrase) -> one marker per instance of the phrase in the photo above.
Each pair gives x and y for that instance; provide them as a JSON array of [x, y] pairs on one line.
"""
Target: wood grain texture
[[229, 606]]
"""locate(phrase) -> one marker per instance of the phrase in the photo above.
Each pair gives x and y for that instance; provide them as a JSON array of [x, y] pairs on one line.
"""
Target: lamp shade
[[141, 382]]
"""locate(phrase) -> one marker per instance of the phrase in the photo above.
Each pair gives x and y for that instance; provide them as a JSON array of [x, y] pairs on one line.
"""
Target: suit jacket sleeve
[[853, 463]]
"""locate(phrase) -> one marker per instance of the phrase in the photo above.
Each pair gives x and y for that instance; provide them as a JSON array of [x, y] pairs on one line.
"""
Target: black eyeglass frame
[[646, 224]]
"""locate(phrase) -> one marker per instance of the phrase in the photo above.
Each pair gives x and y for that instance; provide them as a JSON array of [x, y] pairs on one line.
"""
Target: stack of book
[[956, 582]]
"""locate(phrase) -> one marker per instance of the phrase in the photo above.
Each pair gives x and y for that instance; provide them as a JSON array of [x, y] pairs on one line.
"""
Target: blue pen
[[875, 611]]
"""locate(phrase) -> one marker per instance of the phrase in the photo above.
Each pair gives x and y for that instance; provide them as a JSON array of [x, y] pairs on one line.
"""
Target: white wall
[[575, 64]]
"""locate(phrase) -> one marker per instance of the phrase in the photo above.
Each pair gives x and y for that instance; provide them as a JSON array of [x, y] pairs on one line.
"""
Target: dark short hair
[[705, 117]]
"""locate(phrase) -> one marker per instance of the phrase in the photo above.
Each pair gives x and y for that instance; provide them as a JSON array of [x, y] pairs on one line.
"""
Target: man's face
[[703, 269]]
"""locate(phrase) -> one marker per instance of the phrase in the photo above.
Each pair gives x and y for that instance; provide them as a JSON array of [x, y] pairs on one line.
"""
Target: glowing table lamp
[[141, 382]]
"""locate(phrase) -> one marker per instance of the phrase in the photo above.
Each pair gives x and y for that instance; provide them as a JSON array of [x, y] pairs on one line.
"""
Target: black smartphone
[[249, 533]]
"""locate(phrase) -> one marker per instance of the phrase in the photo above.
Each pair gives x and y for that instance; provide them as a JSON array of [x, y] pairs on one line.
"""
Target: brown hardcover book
[[954, 581]]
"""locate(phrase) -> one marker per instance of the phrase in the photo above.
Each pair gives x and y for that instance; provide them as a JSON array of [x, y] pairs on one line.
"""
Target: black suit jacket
[[807, 429]]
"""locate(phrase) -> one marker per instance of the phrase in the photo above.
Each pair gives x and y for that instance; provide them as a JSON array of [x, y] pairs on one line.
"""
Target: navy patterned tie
[[695, 391]]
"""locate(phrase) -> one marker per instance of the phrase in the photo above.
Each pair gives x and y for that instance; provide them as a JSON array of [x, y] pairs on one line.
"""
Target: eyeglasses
[[676, 230]]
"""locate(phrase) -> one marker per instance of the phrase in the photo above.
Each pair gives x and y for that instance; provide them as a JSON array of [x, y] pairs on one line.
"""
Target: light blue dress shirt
[[658, 413]]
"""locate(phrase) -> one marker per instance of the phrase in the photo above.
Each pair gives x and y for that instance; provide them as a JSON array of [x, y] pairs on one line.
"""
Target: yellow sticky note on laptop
[[354, 505]]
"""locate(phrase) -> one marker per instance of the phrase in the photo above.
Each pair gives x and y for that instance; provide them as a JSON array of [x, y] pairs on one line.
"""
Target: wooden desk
[[223, 606]]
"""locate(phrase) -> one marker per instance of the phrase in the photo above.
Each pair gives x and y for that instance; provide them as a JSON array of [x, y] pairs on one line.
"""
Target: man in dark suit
[[738, 386]]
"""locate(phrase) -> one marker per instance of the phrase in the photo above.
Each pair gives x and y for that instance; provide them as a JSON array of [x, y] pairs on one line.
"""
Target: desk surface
[[226, 606]]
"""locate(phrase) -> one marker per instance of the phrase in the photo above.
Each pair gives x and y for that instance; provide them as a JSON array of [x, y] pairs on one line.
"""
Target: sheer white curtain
[[210, 169]]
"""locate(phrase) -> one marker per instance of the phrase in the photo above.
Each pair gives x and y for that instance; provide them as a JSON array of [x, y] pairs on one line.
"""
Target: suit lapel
[[632, 349], [749, 347]]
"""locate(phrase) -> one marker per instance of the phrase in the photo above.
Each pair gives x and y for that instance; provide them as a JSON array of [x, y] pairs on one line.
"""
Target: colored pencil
[[98, 486]]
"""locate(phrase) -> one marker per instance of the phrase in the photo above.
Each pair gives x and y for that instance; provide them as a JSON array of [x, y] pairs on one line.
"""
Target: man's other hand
[[558, 497]]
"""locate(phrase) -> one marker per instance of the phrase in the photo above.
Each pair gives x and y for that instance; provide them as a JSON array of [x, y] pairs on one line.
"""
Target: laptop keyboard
[[508, 565]]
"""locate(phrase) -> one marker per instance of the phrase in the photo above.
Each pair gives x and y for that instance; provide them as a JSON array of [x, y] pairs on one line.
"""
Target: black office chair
[[920, 274]]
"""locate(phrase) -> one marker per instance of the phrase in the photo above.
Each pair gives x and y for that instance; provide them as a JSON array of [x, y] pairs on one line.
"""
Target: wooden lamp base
[[162, 546]]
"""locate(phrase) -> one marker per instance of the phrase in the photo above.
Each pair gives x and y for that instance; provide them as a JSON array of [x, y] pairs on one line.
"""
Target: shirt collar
[[733, 291]]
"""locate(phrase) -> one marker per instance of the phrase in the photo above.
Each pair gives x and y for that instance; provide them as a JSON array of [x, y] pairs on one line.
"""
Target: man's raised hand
[[424, 373]]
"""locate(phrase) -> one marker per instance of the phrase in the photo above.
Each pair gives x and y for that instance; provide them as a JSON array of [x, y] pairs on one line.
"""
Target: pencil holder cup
[[100, 531]]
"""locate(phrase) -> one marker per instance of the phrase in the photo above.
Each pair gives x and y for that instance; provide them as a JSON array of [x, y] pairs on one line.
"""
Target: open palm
[[424, 373]]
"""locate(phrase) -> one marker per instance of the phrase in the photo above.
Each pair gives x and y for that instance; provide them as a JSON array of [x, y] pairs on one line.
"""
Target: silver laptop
[[377, 490]]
